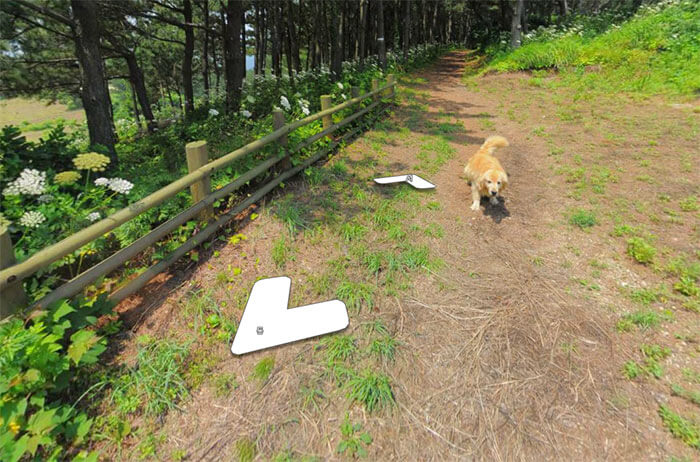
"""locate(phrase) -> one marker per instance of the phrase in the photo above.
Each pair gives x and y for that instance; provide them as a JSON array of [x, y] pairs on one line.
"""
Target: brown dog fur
[[485, 173]]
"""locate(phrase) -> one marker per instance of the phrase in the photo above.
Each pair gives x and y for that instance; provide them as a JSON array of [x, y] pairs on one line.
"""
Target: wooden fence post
[[277, 123], [197, 156], [391, 80], [375, 86], [326, 104], [12, 298]]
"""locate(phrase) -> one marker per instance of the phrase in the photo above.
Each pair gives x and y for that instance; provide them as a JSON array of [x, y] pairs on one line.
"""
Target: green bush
[[641, 250], [583, 218], [41, 362]]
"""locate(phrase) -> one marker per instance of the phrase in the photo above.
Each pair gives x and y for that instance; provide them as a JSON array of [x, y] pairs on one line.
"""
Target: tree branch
[[47, 12], [42, 26]]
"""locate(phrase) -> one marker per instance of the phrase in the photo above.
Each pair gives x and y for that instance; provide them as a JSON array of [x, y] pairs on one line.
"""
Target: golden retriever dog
[[485, 173]]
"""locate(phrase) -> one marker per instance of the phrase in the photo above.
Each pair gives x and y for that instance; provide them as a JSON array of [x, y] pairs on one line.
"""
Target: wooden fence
[[12, 296]]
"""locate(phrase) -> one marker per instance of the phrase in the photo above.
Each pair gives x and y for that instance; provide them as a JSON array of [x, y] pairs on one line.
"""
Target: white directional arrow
[[266, 321], [414, 180]]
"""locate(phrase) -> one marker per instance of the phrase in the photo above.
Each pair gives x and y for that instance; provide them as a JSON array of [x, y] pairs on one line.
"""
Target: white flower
[[30, 182], [94, 216], [343, 96], [213, 112], [119, 185], [246, 114], [102, 181], [284, 102], [305, 110], [32, 219], [45, 198], [340, 85]]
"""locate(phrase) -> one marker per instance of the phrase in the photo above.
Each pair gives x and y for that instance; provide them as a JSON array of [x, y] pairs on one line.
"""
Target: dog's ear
[[504, 181]]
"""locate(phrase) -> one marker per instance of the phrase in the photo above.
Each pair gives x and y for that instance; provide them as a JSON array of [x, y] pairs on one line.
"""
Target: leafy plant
[[353, 442], [40, 360], [583, 218], [641, 250], [680, 427]]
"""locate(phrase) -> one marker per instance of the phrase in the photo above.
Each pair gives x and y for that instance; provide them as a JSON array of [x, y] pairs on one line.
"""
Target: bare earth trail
[[504, 354]]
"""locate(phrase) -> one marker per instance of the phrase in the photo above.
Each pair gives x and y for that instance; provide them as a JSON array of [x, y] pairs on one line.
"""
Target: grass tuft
[[371, 389]]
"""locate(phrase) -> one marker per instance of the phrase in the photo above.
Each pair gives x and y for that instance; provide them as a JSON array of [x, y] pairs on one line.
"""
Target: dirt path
[[504, 353]]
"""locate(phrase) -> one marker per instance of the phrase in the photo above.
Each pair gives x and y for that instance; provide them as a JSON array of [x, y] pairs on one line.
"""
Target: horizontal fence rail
[[12, 276]]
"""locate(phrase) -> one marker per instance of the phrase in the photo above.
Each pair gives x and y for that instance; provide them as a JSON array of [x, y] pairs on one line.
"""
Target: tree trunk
[[244, 48], [526, 6], [135, 103], [516, 27], [362, 33], [337, 45], [276, 45], [232, 53], [139, 86], [563, 8], [381, 41], [94, 92], [292, 35], [205, 50], [187, 61], [406, 28]]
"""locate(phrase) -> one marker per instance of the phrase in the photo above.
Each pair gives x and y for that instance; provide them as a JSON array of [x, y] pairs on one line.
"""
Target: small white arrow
[[414, 180], [266, 321]]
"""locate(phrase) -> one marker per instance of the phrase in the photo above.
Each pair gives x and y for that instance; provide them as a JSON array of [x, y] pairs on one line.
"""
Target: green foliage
[[680, 427], [291, 213], [371, 389], [583, 218], [353, 442], [41, 361], [155, 384], [224, 384], [639, 249], [656, 51]]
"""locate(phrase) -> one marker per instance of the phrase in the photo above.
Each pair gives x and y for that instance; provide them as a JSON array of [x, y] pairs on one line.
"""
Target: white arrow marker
[[266, 321], [414, 180]]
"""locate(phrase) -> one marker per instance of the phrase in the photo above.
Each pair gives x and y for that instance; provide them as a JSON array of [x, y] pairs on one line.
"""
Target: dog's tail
[[493, 142]]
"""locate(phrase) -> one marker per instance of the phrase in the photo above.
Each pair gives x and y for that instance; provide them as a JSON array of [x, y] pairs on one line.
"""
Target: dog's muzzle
[[493, 193]]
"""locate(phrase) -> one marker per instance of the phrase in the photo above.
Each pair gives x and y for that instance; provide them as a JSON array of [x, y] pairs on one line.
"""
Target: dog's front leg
[[476, 196]]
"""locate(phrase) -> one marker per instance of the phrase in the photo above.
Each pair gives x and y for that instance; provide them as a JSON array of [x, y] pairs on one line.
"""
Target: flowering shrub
[[38, 211]]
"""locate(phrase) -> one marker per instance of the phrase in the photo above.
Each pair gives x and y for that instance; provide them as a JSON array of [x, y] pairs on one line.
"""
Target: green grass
[[291, 213], [690, 395], [689, 204], [384, 347], [680, 427], [282, 252], [224, 384], [653, 52], [245, 450], [339, 348], [583, 218], [156, 383], [352, 231], [371, 389], [434, 153], [644, 319], [263, 369], [687, 286], [356, 295]]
